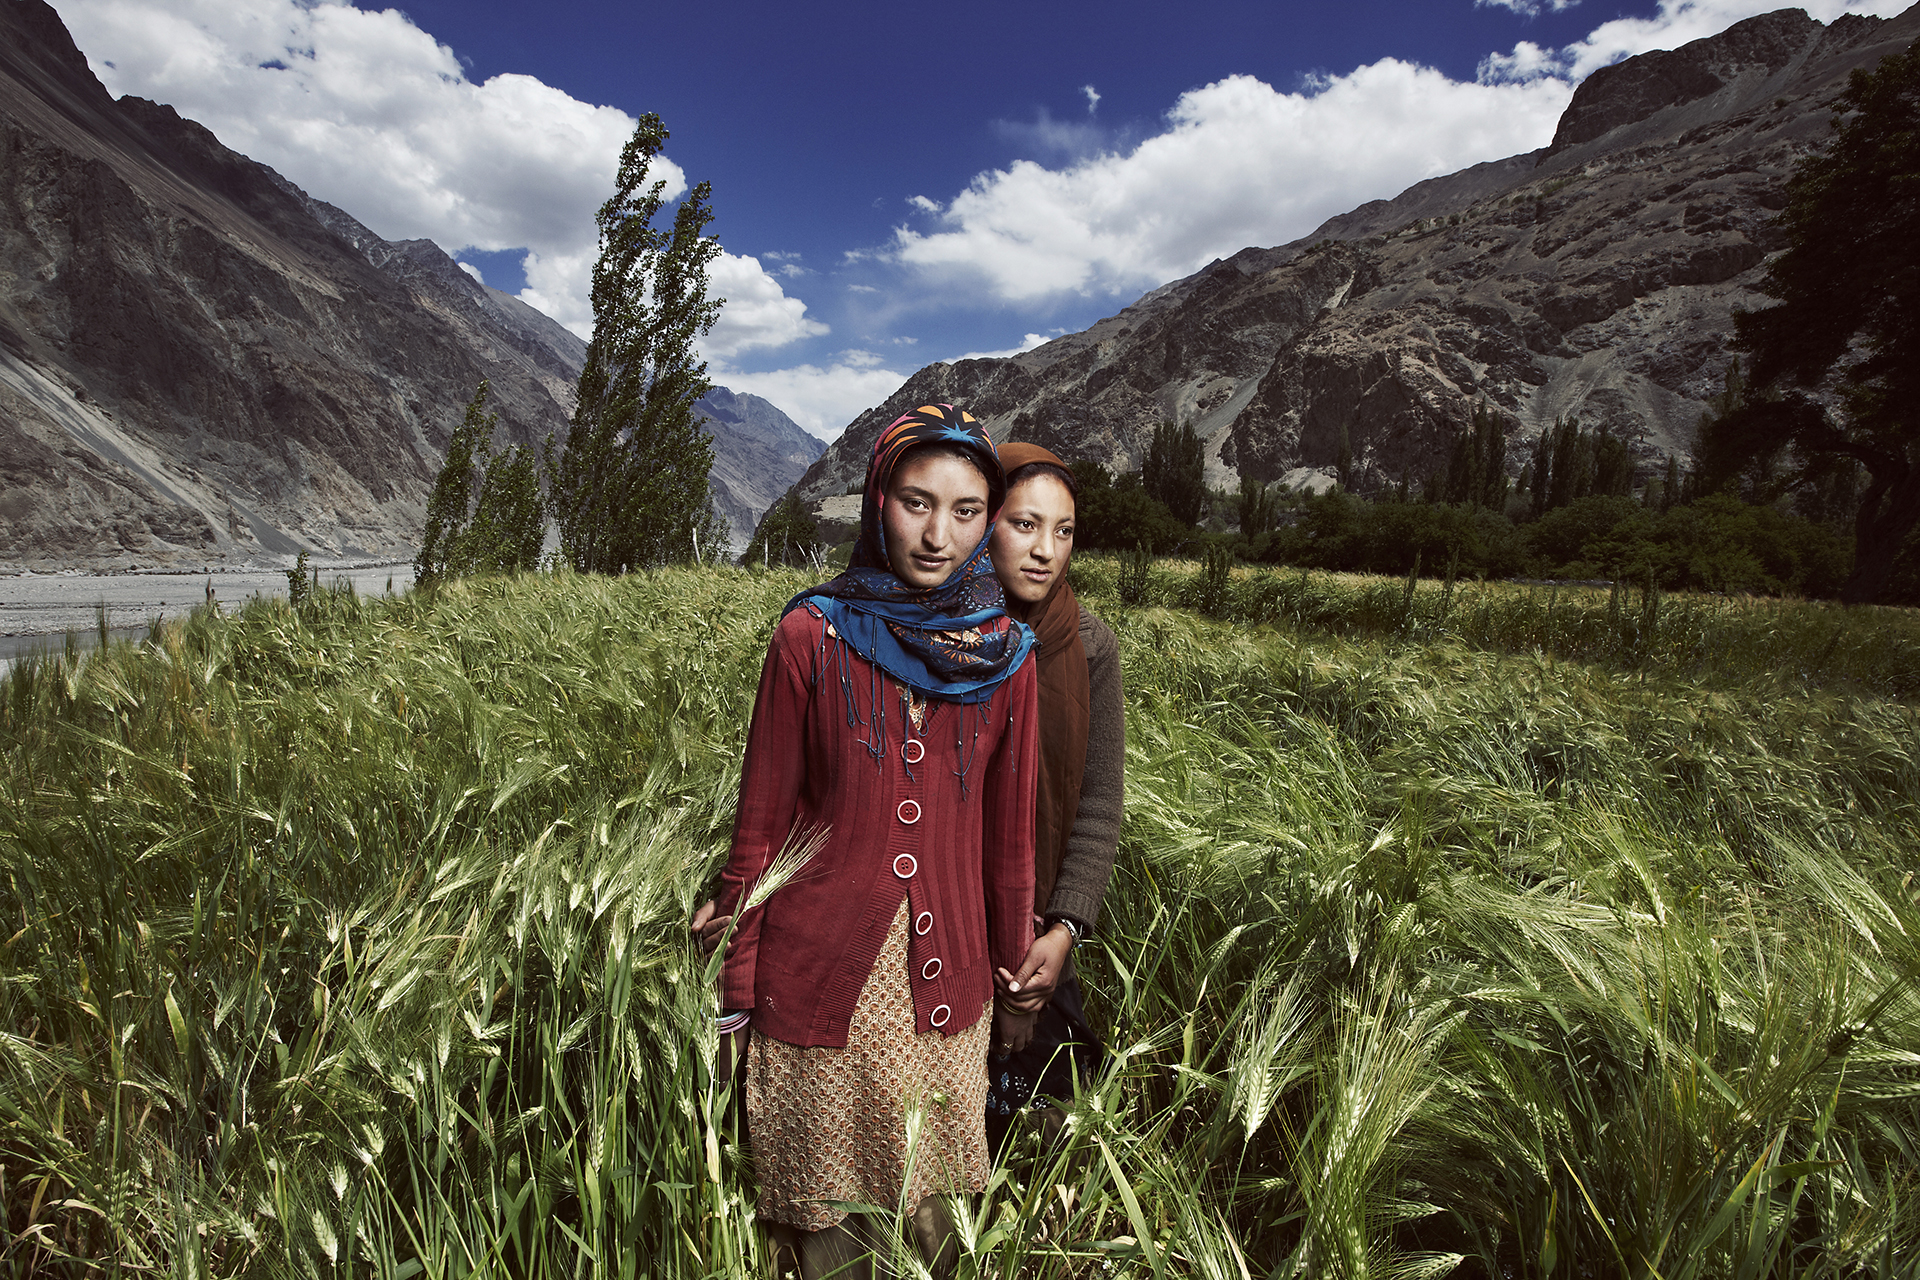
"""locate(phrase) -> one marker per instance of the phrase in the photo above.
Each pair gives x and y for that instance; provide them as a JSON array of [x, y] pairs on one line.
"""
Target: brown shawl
[[1065, 699]]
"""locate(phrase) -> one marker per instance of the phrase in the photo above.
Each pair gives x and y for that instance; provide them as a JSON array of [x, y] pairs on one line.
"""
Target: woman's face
[[935, 512], [1034, 539]]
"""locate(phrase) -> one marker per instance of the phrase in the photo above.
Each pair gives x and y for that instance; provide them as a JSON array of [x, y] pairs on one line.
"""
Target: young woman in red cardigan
[[1043, 1038], [896, 715]]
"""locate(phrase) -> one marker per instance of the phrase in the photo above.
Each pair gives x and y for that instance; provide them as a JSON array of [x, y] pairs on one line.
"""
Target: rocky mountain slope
[[193, 366], [1595, 278], [201, 364], [758, 453]]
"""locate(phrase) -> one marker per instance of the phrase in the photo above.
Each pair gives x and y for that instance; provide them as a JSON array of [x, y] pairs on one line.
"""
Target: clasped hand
[[1019, 997]]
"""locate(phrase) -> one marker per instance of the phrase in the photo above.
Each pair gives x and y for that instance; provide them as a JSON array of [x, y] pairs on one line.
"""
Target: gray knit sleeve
[[1087, 863]]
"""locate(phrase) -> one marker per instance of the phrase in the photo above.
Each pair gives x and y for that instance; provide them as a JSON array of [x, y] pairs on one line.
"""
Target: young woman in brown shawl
[[1040, 1032]]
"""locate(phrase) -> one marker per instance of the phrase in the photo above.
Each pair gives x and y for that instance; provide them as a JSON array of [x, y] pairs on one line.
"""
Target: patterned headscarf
[[928, 638]]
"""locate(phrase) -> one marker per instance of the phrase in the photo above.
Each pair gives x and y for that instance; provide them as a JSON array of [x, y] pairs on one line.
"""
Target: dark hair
[[1020, 475]]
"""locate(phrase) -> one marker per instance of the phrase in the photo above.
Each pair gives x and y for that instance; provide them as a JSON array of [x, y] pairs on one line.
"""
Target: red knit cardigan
[[941, 816]]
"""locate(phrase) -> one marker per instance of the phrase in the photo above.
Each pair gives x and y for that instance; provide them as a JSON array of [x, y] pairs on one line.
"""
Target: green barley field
[[1458, 930]]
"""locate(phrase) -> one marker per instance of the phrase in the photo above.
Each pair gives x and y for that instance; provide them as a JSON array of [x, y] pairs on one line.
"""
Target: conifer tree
[[1175, 472], [503, 532], [1839, 356], [629, 486], [451, 501], [1257, 507], [787, 534]]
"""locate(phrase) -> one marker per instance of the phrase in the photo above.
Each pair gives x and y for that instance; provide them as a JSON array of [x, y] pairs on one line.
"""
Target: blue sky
[[893, 184]]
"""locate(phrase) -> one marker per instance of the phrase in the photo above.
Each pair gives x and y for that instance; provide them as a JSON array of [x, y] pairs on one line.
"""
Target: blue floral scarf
[[928, 638]]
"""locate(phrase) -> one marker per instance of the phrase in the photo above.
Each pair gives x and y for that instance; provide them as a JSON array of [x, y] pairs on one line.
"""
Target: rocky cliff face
[[758, 453], [199, 363], [1596, 278], [194, 367]]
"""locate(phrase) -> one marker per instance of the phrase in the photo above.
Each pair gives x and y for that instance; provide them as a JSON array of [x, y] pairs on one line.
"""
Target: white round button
[[931, 969], [913, 865], [922, 923], [913, 750], [941, 1016], [908, 812]]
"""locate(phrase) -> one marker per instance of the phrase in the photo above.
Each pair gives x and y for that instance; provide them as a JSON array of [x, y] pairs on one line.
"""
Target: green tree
[[1571, 474], [448, 506], [630, 486], [1839, 357], [1175, 471], [1667, 491], [510, 522], [1612, 466], [503, 532], [1257, 508], [1540, 470], [787, 534], [1569, 464], [1477, 467], [1120, 516]]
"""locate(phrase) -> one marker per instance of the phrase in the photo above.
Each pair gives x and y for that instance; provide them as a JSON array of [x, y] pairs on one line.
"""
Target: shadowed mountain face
[[201, 364], [1596, 278], [198, 363], [758, 452]]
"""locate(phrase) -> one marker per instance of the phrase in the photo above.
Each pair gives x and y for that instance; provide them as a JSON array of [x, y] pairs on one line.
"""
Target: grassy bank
[[1739, 642], [353, 940]]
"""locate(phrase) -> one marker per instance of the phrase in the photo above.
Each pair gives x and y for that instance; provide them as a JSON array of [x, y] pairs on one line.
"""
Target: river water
[[38, 610]]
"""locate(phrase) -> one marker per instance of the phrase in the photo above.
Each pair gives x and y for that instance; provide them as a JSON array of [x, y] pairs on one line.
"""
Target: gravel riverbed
[[37, 610]]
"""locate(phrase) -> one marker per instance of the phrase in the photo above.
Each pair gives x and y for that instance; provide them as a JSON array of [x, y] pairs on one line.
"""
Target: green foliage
[[1122, 516], [1175, 472], [1716, 544], [1419, 958], [510, 522], [1211, 590], [1135, 577], [502, 532], [787, 535], [1570, 463], [1848, 287], [1256, 508], [451, 501], [300, 586], [1338, 530], [629, 485], [1477, 466], [1634, 627]]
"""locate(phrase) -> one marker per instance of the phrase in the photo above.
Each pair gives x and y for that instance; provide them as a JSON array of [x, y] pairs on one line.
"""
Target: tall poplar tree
[[1836, 364], [451, 501], [629, 486], [1175, 471], [502, 533]]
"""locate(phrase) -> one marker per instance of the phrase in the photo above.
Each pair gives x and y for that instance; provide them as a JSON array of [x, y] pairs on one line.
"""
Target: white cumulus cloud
[[1028, 343], [758, 312], [366, 111], [822, 399], [1240, 164]]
